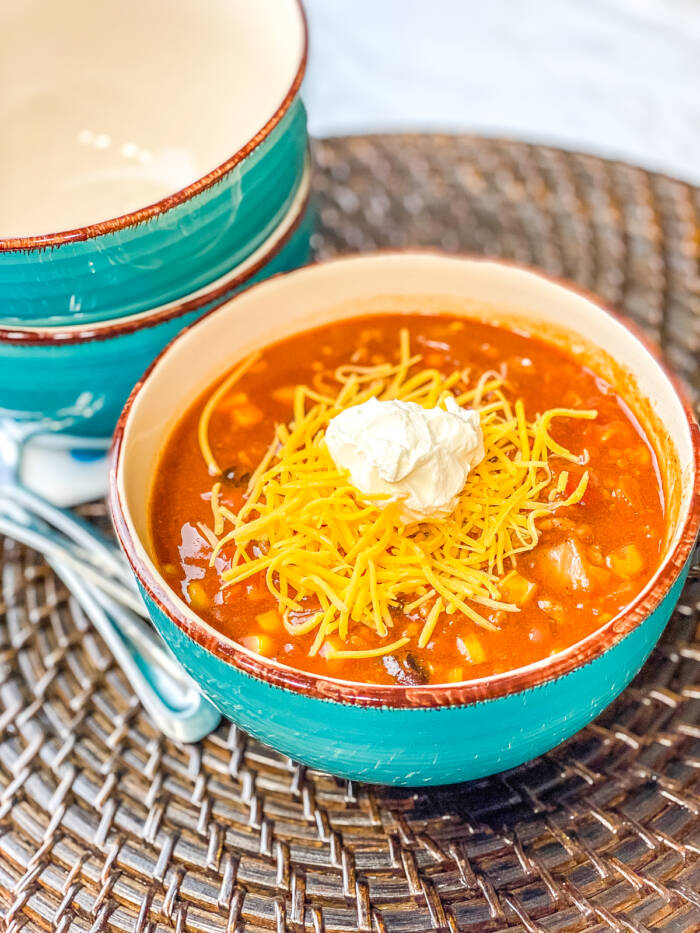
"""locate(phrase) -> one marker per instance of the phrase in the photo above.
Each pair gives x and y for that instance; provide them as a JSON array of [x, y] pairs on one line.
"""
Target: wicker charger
[[106, 825]]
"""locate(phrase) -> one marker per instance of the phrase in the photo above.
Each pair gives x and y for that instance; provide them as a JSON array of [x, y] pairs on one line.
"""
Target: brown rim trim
[[102, 331], [425, 697], [132, 219]]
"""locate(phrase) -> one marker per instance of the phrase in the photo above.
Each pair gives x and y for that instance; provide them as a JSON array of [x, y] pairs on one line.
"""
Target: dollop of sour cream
[[421, 457]]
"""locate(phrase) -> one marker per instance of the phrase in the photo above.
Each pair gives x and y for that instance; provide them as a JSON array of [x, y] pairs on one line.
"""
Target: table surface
[[615, 77], [107, 826]]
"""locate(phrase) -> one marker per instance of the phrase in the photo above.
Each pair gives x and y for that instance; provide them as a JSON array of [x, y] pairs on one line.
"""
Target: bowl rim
[[149, 212], [142, 320], [428, 696]]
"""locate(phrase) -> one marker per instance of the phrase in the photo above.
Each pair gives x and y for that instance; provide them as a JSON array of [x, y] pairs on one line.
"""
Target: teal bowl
[[76, 380], [415, 735], [208, 102]]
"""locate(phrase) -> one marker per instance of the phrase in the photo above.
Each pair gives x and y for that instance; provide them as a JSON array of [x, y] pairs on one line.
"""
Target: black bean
[[235, 476], [408, 671], [412, 664]]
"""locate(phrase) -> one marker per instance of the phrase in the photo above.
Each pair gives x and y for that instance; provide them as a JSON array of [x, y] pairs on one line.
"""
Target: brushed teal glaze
[[161, 259], [419, 746], [81, 387]]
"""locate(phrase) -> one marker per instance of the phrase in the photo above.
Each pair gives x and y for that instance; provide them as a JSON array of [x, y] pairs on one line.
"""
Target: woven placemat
[[106, 825]]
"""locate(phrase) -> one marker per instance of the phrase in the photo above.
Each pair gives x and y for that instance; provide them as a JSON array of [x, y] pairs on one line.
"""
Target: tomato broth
[[591, 558]]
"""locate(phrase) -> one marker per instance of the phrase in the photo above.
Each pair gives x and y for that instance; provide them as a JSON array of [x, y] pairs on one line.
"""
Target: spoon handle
[[57, 547], [167, 693], [102, 553], [77, 552]]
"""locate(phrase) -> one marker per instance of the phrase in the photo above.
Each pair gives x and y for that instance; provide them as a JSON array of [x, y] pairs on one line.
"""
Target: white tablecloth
[[615, 77]]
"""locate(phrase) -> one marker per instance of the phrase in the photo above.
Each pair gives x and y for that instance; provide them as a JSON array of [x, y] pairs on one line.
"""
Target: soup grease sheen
[[591, 560]]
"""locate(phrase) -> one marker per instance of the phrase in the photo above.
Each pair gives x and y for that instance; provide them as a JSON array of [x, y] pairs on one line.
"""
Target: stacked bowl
[[168, 144]]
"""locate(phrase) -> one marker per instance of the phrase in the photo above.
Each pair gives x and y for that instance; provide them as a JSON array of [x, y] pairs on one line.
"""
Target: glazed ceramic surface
[[164, 142], [391, 734], [68, 474], [439, 745], [76, 380]]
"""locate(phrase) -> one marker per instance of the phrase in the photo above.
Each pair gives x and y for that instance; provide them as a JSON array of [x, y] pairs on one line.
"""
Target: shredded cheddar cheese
[[334, 561], [212, 402]]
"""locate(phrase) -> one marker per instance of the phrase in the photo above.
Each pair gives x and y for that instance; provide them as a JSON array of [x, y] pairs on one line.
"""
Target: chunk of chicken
[[566, 566]]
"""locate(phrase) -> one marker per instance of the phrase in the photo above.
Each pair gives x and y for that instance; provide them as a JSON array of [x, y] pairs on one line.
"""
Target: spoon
[[96, 551], [17, 524], [94, 571], [170, 697], [166, 691]]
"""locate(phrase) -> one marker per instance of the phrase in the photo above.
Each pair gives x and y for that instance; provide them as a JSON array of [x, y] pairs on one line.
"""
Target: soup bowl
[[73, 381], [425, 734], [165, 142]]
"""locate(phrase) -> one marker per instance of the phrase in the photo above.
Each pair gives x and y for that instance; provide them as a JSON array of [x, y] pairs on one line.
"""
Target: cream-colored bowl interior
[[244, 270], [484, 289], [106, 107]]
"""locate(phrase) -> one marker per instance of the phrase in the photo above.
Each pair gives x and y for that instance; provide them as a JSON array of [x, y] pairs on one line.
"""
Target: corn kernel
[[471, 648], [197, 595], [269, 621], [610, 432], [229, 402], [517, 589], [626, 561], [247, 415], [260, 644], [331, 645], [285, 394]]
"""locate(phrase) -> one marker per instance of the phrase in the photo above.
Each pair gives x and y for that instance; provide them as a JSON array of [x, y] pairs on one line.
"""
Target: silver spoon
[[96, 550], [166, 691], [77, 551], [16, 523]]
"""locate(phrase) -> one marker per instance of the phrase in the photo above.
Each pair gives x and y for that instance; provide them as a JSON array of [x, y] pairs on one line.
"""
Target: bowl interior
[[109, 107], [189, 302], [475, 288]]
